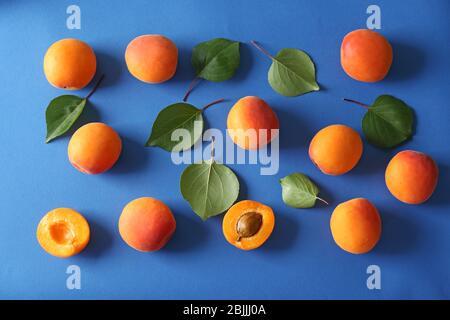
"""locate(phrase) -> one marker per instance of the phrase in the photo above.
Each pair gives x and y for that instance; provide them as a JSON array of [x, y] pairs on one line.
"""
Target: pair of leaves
[[299, 191], [292, 72], [209, 187]]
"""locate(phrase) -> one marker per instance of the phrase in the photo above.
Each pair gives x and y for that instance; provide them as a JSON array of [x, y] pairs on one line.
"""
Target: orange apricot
[[252, 123], [94, 148], [63, 232], [366, 55], [152, 58], [336, 149], [69, 64], [411, 176], [356, 226], [248, 224], [146, 224]]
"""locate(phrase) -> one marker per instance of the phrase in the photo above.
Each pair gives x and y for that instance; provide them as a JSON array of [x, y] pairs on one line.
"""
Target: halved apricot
[[63, 232], [248, 224]]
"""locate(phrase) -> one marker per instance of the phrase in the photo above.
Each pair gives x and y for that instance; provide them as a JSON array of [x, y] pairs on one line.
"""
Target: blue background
[[300, 260]]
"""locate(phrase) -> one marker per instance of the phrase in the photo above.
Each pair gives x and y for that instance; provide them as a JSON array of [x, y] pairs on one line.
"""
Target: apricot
[[152, 58], [411, 176], [69, 64], [366, 55], [146, 224], [250, 123], [94, 148], [63, 232], [336, 149], [248, 224], [356, 226]]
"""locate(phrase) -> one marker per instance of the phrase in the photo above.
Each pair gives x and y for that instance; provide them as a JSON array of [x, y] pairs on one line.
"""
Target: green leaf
[[176, 116], [292, 73], [61, 114], [209, 187], [299, 191], [388, 122], [216, 60]]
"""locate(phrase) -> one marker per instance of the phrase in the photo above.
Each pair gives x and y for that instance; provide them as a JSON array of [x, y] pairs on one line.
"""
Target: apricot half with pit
[[63, 232], [248, 224]]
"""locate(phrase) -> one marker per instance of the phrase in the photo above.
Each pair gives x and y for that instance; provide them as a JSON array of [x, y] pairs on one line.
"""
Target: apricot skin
[[94, 148], [356, 226], [253, 114], [146, 224], [336, 149], [366, 55], [152, 58], [411, 176], [63, 232], [69, 64]]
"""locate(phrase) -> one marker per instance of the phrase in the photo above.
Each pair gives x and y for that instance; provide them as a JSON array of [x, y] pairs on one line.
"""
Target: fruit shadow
[[399, 232], [373, 160], [109, 66], [133, 157], [408, 61], [101, 240], [440, 196], [185, 72], [284, 234], [295, 132], [191, 232]]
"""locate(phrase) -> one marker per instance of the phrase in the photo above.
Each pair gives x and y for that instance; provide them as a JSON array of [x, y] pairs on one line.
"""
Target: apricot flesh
[[152, 58], [248, 224], [63, 232], [252, 123], [94, 148], [69, 64], [366, 55], [146, 224], [356, 226], [411, 176], [336, 149]]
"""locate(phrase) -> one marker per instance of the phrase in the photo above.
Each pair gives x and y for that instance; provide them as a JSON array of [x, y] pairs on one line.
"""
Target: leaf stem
[[213, 151], [212, 103], [322, 201], [357, 102], [258, 46], [192, 85], [95, 87]]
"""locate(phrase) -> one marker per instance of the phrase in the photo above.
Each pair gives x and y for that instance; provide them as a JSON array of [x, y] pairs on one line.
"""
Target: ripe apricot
[[411, 176], [248, 224], [63, 232], [94, 148], [69, 64], [146, 224], [366, 55], [252, 123], [336, 149], [356, 225], [152, 58]]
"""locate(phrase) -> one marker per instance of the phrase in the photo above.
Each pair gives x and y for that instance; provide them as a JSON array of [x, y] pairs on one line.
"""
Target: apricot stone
[[356, 225], [411, 176], [336, 149], [252, 123], [94, 148], [366, 55], [69, 64], [63, 232], [152, 58], [146, 224]]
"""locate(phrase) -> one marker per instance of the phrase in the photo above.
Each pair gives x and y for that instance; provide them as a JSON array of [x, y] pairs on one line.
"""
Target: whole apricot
[[356, 225], [252, 123], [336, 149], [248, 224], [152, 58], [366, 55], [63, 232], [94, 148], [69, 64], [146, 224], [411, 176]]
